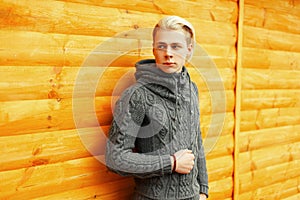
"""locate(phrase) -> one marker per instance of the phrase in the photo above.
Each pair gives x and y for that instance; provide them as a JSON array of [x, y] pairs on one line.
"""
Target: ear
[[190, 51], [190, 48], [154, 52], [153, 47]]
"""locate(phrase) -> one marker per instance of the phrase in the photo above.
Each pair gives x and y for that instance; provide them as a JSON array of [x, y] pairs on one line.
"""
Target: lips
[[168, 63]]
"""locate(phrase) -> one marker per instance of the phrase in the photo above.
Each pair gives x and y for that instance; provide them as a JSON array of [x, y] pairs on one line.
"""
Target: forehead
[[169, 36]]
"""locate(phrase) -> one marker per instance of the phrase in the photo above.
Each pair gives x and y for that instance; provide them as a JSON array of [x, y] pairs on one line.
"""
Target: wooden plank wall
[[269, 140], [44, 43]]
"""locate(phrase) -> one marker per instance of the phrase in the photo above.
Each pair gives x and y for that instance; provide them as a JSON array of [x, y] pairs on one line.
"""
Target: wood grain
[[63, 176], [46, 44], [257, 139], [58, 17], [270, 59], [59, 82], [225, 11]]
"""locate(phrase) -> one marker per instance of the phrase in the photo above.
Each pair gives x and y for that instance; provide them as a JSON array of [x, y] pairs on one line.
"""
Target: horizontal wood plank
[[269, 156], [35, 181], [51, 115], [287, 188], [280, 6], [258, 139], [115, 190], [253, 180], [64, 82], [293, 197], [58, 17], [218, 170], [263, 99], [270, 59], [221, 189], [270, 79], [261, 38], [29, 150], [269, 118], [39, 49], [225, 11], [223, 146]]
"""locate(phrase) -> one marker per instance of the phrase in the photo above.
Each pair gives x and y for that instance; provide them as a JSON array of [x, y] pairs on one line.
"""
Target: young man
[[155, 134]]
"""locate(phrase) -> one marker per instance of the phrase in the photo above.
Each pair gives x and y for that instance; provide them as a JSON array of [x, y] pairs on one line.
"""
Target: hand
[[202, 197], [184, 161]]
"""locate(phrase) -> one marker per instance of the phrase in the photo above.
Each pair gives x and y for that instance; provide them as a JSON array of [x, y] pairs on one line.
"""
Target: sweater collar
[[148, 73]]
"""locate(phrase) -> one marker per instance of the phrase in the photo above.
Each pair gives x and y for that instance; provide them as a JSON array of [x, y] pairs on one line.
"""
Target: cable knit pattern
[[153, 119]]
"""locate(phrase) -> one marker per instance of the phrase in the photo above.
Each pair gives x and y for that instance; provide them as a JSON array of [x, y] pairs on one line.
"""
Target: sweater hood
[[170, 84]]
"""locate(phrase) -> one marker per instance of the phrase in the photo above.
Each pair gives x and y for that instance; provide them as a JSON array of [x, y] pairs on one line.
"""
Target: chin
[[169, 70]]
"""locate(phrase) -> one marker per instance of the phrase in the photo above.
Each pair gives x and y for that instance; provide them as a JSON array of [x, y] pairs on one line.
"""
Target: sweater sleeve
[[202, 177], [120, 157], [202, 170]]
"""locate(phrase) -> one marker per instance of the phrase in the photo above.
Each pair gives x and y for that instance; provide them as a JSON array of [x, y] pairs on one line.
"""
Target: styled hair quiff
[[178, 24]]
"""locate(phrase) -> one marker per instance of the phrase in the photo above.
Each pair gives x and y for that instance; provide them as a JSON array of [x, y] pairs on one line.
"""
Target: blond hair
[[178, 24]]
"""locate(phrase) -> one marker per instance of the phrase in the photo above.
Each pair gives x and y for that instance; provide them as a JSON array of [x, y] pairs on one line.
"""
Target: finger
[[189, 151], [192, 156]]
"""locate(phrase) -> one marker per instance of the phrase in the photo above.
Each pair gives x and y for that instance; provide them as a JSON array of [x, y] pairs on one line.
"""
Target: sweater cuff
[[204, 190], [166, 164]]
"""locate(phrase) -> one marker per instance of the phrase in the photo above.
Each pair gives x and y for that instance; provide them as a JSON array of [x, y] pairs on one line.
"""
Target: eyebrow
[[177, 43]]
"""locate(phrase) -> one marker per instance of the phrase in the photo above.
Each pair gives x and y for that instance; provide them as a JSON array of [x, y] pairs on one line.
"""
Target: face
[[170, 50]]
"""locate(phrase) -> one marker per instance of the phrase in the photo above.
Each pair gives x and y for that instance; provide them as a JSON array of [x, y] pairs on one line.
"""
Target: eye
[[161, 47], [176, 46]]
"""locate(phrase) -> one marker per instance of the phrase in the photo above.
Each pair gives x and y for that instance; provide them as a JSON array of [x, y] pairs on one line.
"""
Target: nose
[[169, 52]]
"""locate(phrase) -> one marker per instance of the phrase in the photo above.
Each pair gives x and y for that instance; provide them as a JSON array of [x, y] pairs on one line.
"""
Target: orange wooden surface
[[44, 45]]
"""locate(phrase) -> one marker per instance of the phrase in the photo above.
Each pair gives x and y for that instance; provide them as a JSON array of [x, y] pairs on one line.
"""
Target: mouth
[[168, 63]]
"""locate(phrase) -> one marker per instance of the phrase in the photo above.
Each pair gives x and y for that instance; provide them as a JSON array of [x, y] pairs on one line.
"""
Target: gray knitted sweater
[[153, 119]]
